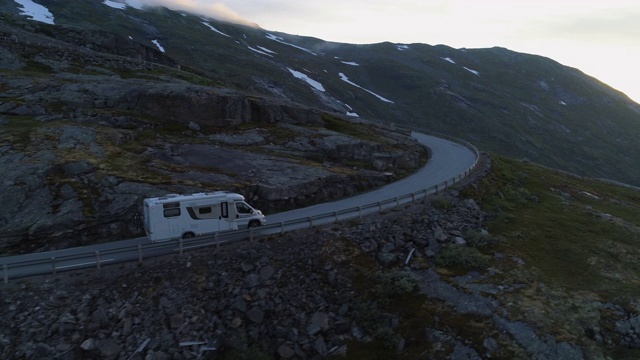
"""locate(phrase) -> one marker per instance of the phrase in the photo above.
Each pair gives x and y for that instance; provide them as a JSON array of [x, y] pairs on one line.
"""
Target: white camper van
[[176, 216]]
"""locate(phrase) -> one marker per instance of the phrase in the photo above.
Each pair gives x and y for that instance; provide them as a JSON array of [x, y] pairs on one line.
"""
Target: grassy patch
[[577, 240], [462, 258], [348, 128]]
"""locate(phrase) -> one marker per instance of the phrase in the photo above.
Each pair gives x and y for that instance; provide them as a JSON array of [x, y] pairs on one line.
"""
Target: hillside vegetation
[[559, 261], [554, 277], [573, 244], [518, 105]]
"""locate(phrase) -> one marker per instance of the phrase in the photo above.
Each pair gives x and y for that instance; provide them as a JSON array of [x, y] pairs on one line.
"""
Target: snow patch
[[281, 40], [403, 47], [115, 5], [310, 81], [259, 51], [266, 50], [35, 11], [344, 78], [214, 29], [122, 5], [158, 45], [471, 71], [448, 59], [350, 111], [350, 63], [562, 102]]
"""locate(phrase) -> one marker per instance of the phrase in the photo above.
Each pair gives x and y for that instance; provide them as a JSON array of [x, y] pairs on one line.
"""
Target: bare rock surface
[[292, 296], [81, 151]]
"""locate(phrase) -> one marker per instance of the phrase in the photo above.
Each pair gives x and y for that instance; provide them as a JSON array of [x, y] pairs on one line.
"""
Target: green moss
[[462, 258], [575, 241], [349, 128]]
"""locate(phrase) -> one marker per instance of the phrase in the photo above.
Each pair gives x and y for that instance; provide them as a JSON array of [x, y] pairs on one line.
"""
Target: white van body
[[176, 216]]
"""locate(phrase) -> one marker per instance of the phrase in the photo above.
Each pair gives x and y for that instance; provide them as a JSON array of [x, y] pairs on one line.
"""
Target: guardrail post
[[215, 238], [379, 206], [139, 254], [335, 213], [180, 246], [5, 269], [53, 265], [397, 201], [250, 235], [281, 227], [359, 212], [98, 260], [413, 197], [310, 221]]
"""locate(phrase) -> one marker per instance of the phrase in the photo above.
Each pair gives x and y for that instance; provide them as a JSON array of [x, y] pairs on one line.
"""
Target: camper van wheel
[[254, 223], [188, 235]]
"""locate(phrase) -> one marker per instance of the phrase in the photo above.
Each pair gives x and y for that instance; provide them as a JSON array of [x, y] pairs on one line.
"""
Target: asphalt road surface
[[448, 160]]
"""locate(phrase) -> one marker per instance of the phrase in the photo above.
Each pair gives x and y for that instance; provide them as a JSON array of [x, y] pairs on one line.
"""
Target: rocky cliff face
[[377, 287], [290, 297], [82, 145]]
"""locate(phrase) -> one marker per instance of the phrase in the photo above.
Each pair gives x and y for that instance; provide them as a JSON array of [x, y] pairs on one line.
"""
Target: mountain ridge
[[518, 105]]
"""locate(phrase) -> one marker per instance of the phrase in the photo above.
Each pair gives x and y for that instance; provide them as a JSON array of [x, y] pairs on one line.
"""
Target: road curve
[[448, 160]]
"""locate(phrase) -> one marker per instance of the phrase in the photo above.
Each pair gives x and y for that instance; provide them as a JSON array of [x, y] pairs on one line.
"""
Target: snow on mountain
[[448, 59], [266, 50], [35, 11], [471, 71], [122, 5], [350, 112], [158, 45], [281, 40], [115, 5], [403, 47], [214, 29], [350, 63], [310, 81], [344, 78], [259, 51]]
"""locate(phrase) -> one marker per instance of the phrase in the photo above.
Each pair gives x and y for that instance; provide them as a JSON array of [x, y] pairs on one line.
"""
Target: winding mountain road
[[448, 160]]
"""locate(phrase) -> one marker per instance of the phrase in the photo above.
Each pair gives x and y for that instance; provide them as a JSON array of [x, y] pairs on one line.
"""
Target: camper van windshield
[[243, 208]]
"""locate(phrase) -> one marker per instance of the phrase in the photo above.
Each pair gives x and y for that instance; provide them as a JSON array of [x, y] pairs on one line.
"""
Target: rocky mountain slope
[[446, 277], [86, 135], [519, 105]]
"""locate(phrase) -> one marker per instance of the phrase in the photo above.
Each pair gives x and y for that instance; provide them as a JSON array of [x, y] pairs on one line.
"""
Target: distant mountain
[[518, 105]]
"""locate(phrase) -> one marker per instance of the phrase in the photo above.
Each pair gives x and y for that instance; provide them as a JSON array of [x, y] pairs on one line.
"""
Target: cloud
[[215, 10]]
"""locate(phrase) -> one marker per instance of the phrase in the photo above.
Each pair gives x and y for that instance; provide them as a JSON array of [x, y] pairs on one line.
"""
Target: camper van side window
[[173, 212], [224, 209], [204, 210]]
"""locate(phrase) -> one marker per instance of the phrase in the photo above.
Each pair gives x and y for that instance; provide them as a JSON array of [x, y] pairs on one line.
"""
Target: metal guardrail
[[97, 259]]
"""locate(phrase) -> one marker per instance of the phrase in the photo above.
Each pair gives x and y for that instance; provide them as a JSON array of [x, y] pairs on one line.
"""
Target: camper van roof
[[196, 196]]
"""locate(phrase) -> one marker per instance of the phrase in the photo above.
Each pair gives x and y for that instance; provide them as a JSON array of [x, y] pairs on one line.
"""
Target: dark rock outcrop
[[82, 151]]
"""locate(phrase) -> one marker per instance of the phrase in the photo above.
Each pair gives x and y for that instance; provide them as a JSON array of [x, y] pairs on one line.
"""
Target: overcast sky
[[601, 38]]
